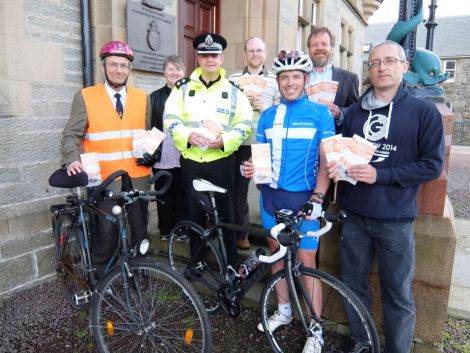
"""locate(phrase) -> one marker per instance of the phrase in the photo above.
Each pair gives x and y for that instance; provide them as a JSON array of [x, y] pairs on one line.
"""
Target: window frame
[[454, 70]]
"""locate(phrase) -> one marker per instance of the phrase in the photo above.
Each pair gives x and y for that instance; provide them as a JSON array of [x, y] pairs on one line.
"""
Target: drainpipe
[[86, 43]]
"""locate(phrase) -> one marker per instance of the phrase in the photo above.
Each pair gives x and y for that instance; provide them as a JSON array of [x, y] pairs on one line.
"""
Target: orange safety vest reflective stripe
[[109, 135]]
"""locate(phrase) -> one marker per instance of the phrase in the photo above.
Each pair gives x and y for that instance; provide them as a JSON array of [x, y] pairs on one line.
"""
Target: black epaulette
[[181, 82], [236, 85]]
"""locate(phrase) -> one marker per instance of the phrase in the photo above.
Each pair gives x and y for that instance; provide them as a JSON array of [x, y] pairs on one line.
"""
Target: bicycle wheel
[[70, 261], [203, 268], [162, 312], [334, 329]]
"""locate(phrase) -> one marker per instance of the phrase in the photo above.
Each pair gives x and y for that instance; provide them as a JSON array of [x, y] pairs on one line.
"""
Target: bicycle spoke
[[335, 334], [158, 316]]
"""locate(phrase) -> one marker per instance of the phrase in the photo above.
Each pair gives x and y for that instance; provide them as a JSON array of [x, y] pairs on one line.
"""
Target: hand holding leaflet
[[92, 167], [261, 159], [146, 141], [348, 151], [322, 91]]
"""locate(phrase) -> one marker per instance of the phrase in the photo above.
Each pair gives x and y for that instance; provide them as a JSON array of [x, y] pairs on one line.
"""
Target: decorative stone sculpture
[[424, 74]]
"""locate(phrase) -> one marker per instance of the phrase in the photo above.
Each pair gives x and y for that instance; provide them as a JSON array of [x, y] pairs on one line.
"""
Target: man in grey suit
[[321, 44]]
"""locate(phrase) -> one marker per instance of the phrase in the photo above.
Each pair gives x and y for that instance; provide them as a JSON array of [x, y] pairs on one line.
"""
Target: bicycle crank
[[230, 304]]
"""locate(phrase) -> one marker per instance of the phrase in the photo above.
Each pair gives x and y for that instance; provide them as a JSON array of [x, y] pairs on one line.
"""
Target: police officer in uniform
[[209, 117]]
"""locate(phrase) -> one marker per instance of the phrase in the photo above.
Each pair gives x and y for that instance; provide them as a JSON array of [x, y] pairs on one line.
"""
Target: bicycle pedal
[[82, 297]]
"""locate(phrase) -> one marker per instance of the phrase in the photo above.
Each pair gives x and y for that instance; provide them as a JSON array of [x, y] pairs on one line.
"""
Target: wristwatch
[[317, 197]]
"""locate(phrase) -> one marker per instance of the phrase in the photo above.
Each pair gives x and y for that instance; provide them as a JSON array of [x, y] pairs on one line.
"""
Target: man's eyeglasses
[[115, 66], [387, 61]]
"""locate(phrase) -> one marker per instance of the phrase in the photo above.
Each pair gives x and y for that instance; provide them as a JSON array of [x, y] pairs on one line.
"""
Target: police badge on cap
[[209, 43]]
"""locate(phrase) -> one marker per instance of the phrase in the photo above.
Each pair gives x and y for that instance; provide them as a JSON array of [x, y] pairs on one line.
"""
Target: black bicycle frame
[[263, 268]]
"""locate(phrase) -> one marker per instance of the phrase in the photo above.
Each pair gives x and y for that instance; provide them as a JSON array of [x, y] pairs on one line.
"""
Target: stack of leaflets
[[252, 85], [261, 159], [322, 92], [92, 167], [146, 141], [348, 151]]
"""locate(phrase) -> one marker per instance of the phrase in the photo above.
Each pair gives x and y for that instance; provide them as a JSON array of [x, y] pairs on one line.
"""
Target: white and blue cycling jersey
[[294, 130]]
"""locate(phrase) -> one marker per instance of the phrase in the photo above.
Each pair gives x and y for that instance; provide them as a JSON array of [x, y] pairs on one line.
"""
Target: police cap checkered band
[[209, 43]]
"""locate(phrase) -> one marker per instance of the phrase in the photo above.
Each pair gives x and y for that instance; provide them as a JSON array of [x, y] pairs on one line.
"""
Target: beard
[[323, 60]]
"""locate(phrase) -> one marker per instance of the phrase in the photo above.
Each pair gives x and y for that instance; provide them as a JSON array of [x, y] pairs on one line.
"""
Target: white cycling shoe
[[275, 320], [314, 344]]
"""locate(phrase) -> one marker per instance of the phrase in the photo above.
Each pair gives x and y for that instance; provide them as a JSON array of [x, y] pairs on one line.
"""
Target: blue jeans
[[394, 245]]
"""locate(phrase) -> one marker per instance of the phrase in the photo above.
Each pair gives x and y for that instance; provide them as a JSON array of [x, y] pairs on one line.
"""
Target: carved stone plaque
[[151, 34]]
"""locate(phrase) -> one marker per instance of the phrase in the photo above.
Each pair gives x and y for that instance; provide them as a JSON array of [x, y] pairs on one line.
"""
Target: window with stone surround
[[450, 68], [307, 19], [346, 46]]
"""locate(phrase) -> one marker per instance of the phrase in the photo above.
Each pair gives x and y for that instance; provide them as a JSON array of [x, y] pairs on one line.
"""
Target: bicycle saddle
[[204, 185], [60, 179]]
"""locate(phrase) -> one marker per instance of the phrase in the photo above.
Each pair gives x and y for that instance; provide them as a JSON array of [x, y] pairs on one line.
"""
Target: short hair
[[320, 30], [253, 37], [401, 51], [175, 60]]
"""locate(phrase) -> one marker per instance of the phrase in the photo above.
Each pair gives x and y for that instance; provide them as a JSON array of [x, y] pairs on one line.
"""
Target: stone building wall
[[40, 71], [457, 92]]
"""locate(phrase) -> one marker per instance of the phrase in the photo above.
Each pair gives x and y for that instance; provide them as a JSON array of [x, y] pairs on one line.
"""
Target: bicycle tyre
[[334, 322], [166, 313], [206, 275], [70, 260]]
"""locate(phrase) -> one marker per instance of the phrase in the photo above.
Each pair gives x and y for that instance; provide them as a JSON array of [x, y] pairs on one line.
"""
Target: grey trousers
[[394, 245]]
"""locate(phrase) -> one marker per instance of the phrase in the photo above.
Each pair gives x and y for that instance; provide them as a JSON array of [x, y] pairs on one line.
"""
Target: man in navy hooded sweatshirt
[[381, 207]]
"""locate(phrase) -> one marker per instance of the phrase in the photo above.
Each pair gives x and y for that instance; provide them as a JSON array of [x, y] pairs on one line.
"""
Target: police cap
[[209, 43]]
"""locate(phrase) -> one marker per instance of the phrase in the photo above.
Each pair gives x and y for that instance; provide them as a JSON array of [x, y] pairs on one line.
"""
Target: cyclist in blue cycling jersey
[[294, 129]]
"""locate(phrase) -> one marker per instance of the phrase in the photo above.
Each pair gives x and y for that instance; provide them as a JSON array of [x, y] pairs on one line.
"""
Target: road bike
[[221, 286], [139, 305]]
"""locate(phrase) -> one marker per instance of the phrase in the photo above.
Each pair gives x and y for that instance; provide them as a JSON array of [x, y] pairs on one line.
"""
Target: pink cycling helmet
[[117, 48]]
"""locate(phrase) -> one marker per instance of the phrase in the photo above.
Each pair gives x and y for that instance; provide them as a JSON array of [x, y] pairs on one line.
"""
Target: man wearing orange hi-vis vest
[[103, 119]]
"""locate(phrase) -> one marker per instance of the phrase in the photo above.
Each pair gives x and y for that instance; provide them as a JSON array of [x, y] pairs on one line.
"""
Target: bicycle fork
[[294, 279]]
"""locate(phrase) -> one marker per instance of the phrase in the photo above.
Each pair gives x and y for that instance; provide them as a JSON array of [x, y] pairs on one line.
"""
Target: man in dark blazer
[[321, 44]]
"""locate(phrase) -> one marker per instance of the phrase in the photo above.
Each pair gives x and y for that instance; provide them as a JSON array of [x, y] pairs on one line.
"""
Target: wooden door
[[196, 16]]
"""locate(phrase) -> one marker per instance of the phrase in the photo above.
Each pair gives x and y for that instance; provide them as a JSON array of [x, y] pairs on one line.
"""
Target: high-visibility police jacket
[[110, 135], [191, 102]]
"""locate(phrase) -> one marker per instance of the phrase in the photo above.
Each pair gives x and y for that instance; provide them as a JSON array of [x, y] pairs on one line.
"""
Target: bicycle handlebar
[[147, 195], [162, 174], [278, 228]]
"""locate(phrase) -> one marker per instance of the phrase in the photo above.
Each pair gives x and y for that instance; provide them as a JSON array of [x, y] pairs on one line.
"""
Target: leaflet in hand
[[210, 129], [261, 159], [91, 164], [322, 91], [253, 85], [348, 151], [146, 141]]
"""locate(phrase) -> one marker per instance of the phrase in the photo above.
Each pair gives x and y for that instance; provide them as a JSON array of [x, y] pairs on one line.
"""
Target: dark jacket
[[157, 102], [409, 137], [348, 88]]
